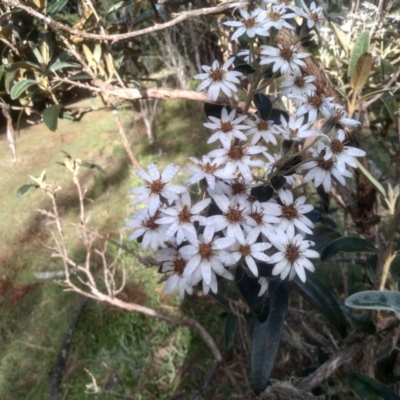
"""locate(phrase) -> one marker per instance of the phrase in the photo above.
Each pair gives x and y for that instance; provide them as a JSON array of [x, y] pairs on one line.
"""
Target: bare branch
[[119, 36]]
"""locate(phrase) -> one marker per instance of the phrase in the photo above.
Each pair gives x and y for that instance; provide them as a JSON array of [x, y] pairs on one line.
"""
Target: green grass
[[149, 359]]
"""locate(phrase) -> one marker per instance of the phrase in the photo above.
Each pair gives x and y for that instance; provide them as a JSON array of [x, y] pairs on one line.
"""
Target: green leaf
[[1, 71], [372, 94], [361, 72], [230, 329], [390, 104], [57, 65], [360, 322], [318, 295], [92, 166], [263, 105], [267, 335], [341, 37], [322, 235], [20, 87], [348, 244], [249, 288], [24, 188], [29, 66], [50, 116], [56, 7], [361, 46], [366, 388], [375, 300], [371, 178]]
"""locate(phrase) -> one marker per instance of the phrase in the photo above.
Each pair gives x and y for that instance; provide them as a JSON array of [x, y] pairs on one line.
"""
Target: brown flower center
[[238, 187], [292, 252], [245, 250], [293, 133], [226, 127], [156, 186], [336, 146], [234, 214], [257, 216], [315, 101], [262, 125], [289, 212], [327, 165], [150, 223], [208, 168], [249, 23], [299, 81], [179, 264], [274, 16], [216, 74], [287, 53], [235, 153], [205, 250], [185, 216], [314, 16]]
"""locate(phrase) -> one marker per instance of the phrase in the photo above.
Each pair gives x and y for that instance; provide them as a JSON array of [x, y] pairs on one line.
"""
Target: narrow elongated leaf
[[249, 288], [92, 166], [230, 329], [24, 188], [57, 65], [50, 116], [267, 335], [348, 244], [20, 88], [372, 94], [56, 7], [361, 46], [29, 66], [263, 105], [318, 295], [322, 235], [366, 388], [341, 37], [371, 178], [375, 300], [1, 71], [361, 71], [390, 104], [361, 322]]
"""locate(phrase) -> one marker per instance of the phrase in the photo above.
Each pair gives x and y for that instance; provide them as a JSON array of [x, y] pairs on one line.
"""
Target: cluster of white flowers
[[232, 224]]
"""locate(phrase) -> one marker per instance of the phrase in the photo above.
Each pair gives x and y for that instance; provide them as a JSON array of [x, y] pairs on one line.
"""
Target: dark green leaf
[[215, 110], [263, 105], [313, 216], [24, 188], [268, 74], [92, 166], [290, 164], [50, 116], [360, 322], [230, 329], [249, 289], [348, 244], [366, 388], [80, 76], [318, 295], [20, 87], [361, 46], [262, 193], [1, 71], [242, 66], [276, 115], [322, 235], [57, 65], [267, 335], [372, 263], [56, 7], [278, 181]]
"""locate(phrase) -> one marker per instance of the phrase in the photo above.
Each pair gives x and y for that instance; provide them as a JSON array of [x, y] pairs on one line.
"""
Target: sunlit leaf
[[24, 188], [361, 46], [366, 388], [267, 335], [56, 7], [348, 244], [318, 295], [375, 300], [20, 87], [361, 71], [341, 37], [50, 116]]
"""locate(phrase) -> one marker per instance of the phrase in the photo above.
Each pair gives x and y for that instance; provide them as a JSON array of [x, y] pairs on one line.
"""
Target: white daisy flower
[[315, 15], [238, 158], [291, 213], [252, 23], [174, 264], [156, 188], [264, 216], [314, 102], [285, 58], [239, 191], [181, 218], [145, 225], [250, 250], [260, 128], [295, 129], [233, 218], [218, 78], [276, 16], [343, 154], [292, 256], [207, 257], [227, 128], [263, 282], [342, 119], [321, 171], [298, 85], [208, 170]]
